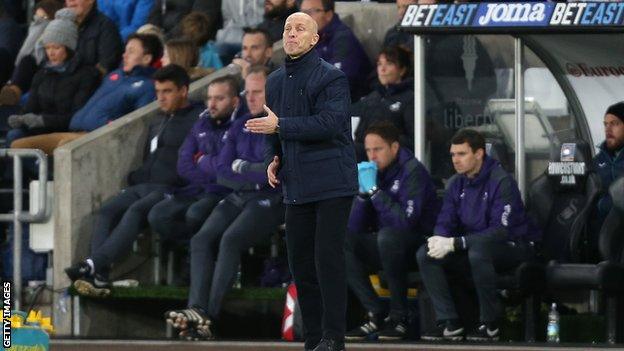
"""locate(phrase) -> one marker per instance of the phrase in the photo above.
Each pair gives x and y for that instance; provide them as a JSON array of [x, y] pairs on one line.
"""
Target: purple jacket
[[341, 48], [406, 199], [240, 143], [489, 204], [200, 172]]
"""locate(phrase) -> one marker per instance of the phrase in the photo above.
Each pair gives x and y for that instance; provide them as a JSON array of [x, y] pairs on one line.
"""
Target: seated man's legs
[[167, 218], [253, 226], [46, 142], [198, 212], [362, 258]]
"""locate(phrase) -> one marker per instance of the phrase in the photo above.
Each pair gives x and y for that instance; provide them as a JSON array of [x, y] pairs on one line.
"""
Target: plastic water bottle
[[238, 281], [552, 331]]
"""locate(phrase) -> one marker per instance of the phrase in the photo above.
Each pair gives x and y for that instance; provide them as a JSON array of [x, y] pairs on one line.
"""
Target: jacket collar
[[303, 61], [139, 70], [393, 170], [393, 89], [616, 155], [484, 174], [331, 27]]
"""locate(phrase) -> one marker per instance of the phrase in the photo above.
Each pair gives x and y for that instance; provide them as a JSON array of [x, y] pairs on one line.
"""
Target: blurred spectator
[[44, 13], [236, 16], [392, 99], [168, 14], [151, 29], [61, 87], [99, 45], [122, 218], [183, 52], [275, 13], [200, 28], [395, 37], [396, 208], [244, 218], [10, 42], [181, 214], [339, 46], [122, 91], [128, 15], [257, 50]]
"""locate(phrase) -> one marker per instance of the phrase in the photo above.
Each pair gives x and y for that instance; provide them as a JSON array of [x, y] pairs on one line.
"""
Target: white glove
[[237, 165], [439, 246]]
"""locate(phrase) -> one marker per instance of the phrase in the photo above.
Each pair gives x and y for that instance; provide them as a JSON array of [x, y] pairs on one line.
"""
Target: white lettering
[[409, 15], [558, 13]]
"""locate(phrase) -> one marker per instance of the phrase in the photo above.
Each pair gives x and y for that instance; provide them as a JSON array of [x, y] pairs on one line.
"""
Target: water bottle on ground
[[238, 280], [552, 331]]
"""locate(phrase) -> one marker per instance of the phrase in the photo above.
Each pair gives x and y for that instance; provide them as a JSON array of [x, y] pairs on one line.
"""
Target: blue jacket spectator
[[128, 15]]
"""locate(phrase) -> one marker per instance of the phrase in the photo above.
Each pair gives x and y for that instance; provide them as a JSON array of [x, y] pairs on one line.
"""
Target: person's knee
[[421, 255], [389, 241], [479, 250]]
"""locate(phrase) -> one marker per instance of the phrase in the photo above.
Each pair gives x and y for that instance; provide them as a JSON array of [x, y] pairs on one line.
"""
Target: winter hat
[[62, 30], [617, 110]]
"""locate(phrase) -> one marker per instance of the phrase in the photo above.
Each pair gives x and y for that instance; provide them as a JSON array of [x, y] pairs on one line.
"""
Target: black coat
[[394, 103], [169, 16], [311, 99], [57, 95], [159, 166], [99, 42]]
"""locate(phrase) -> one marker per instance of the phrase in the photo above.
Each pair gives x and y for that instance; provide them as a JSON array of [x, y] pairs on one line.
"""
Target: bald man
[[309, 151]]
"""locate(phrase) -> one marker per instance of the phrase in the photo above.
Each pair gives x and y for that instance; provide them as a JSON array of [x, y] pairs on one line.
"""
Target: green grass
[[181, 293]]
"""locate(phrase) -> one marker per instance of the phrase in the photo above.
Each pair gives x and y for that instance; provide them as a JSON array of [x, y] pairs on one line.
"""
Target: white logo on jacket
[[396, 106], [409, 211], [505, 215], [395, 186], [137, 84]]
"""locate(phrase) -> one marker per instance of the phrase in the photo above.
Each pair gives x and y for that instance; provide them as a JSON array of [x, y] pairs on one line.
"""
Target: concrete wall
[[93, 168]]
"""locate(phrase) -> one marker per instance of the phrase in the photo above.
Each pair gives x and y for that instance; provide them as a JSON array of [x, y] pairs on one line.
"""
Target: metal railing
[[18, 216]]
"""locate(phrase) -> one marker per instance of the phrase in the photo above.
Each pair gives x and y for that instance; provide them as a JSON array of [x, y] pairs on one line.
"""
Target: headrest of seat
[[616, 190], [569, 163], [496, 149]]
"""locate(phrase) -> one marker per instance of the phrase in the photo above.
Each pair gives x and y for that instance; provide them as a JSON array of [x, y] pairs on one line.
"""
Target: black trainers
[[330, 345], [485, 332], [449, 330], [393, 330], [78, 271], [95, 285], [193, 323], [367, 331]]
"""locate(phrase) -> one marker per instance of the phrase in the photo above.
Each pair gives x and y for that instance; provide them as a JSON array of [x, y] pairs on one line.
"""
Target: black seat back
[[496, 149], [611, 240], [561, 199]]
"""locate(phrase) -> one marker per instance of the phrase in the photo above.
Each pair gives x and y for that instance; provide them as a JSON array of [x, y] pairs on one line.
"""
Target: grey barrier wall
[[91, 169]]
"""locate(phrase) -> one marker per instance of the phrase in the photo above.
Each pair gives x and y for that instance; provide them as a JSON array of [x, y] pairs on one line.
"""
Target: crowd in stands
[[84, 63]]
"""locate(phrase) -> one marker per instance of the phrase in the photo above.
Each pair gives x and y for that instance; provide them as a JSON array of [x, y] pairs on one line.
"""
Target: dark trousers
[[179, 217], [236, 224], [389, 249], [482, 260], [315, 239], [119, 222]]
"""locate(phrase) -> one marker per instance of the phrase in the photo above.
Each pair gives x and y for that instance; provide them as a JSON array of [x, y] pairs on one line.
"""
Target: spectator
[[123, 91], [183, 52], [396, 207], [128, 15], [609, 163], [482, 229], [392, 99], [236, 16], [61, 87], [257, 50], [151, 29], [339, 46], [396, 37], [198, 27], [275, 14], [44, 13], [10, 42], [244, 218], [182, 214], [168, 14], [122, 218], [99, 45]]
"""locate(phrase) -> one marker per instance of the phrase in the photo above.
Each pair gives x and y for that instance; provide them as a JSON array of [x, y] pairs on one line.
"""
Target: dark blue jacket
[[240, 143], [120, 93], [340, 47], [406, 199], [128, 15], [205, 140], [99, 42], [608, 168], [311, 99], [489, 204]]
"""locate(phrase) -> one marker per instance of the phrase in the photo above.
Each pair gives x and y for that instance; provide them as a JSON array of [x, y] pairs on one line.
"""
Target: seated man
[[244, 218], [122, 91], [396, 207], [275, 14], [257, 49], [482, 228], [122, 218], [181, 214], [396, 37], [339, 46], [609, 163]]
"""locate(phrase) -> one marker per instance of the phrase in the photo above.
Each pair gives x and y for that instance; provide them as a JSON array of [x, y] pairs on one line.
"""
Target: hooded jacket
[[406, 199], [120, 93], [487, 205], [609, 167]]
